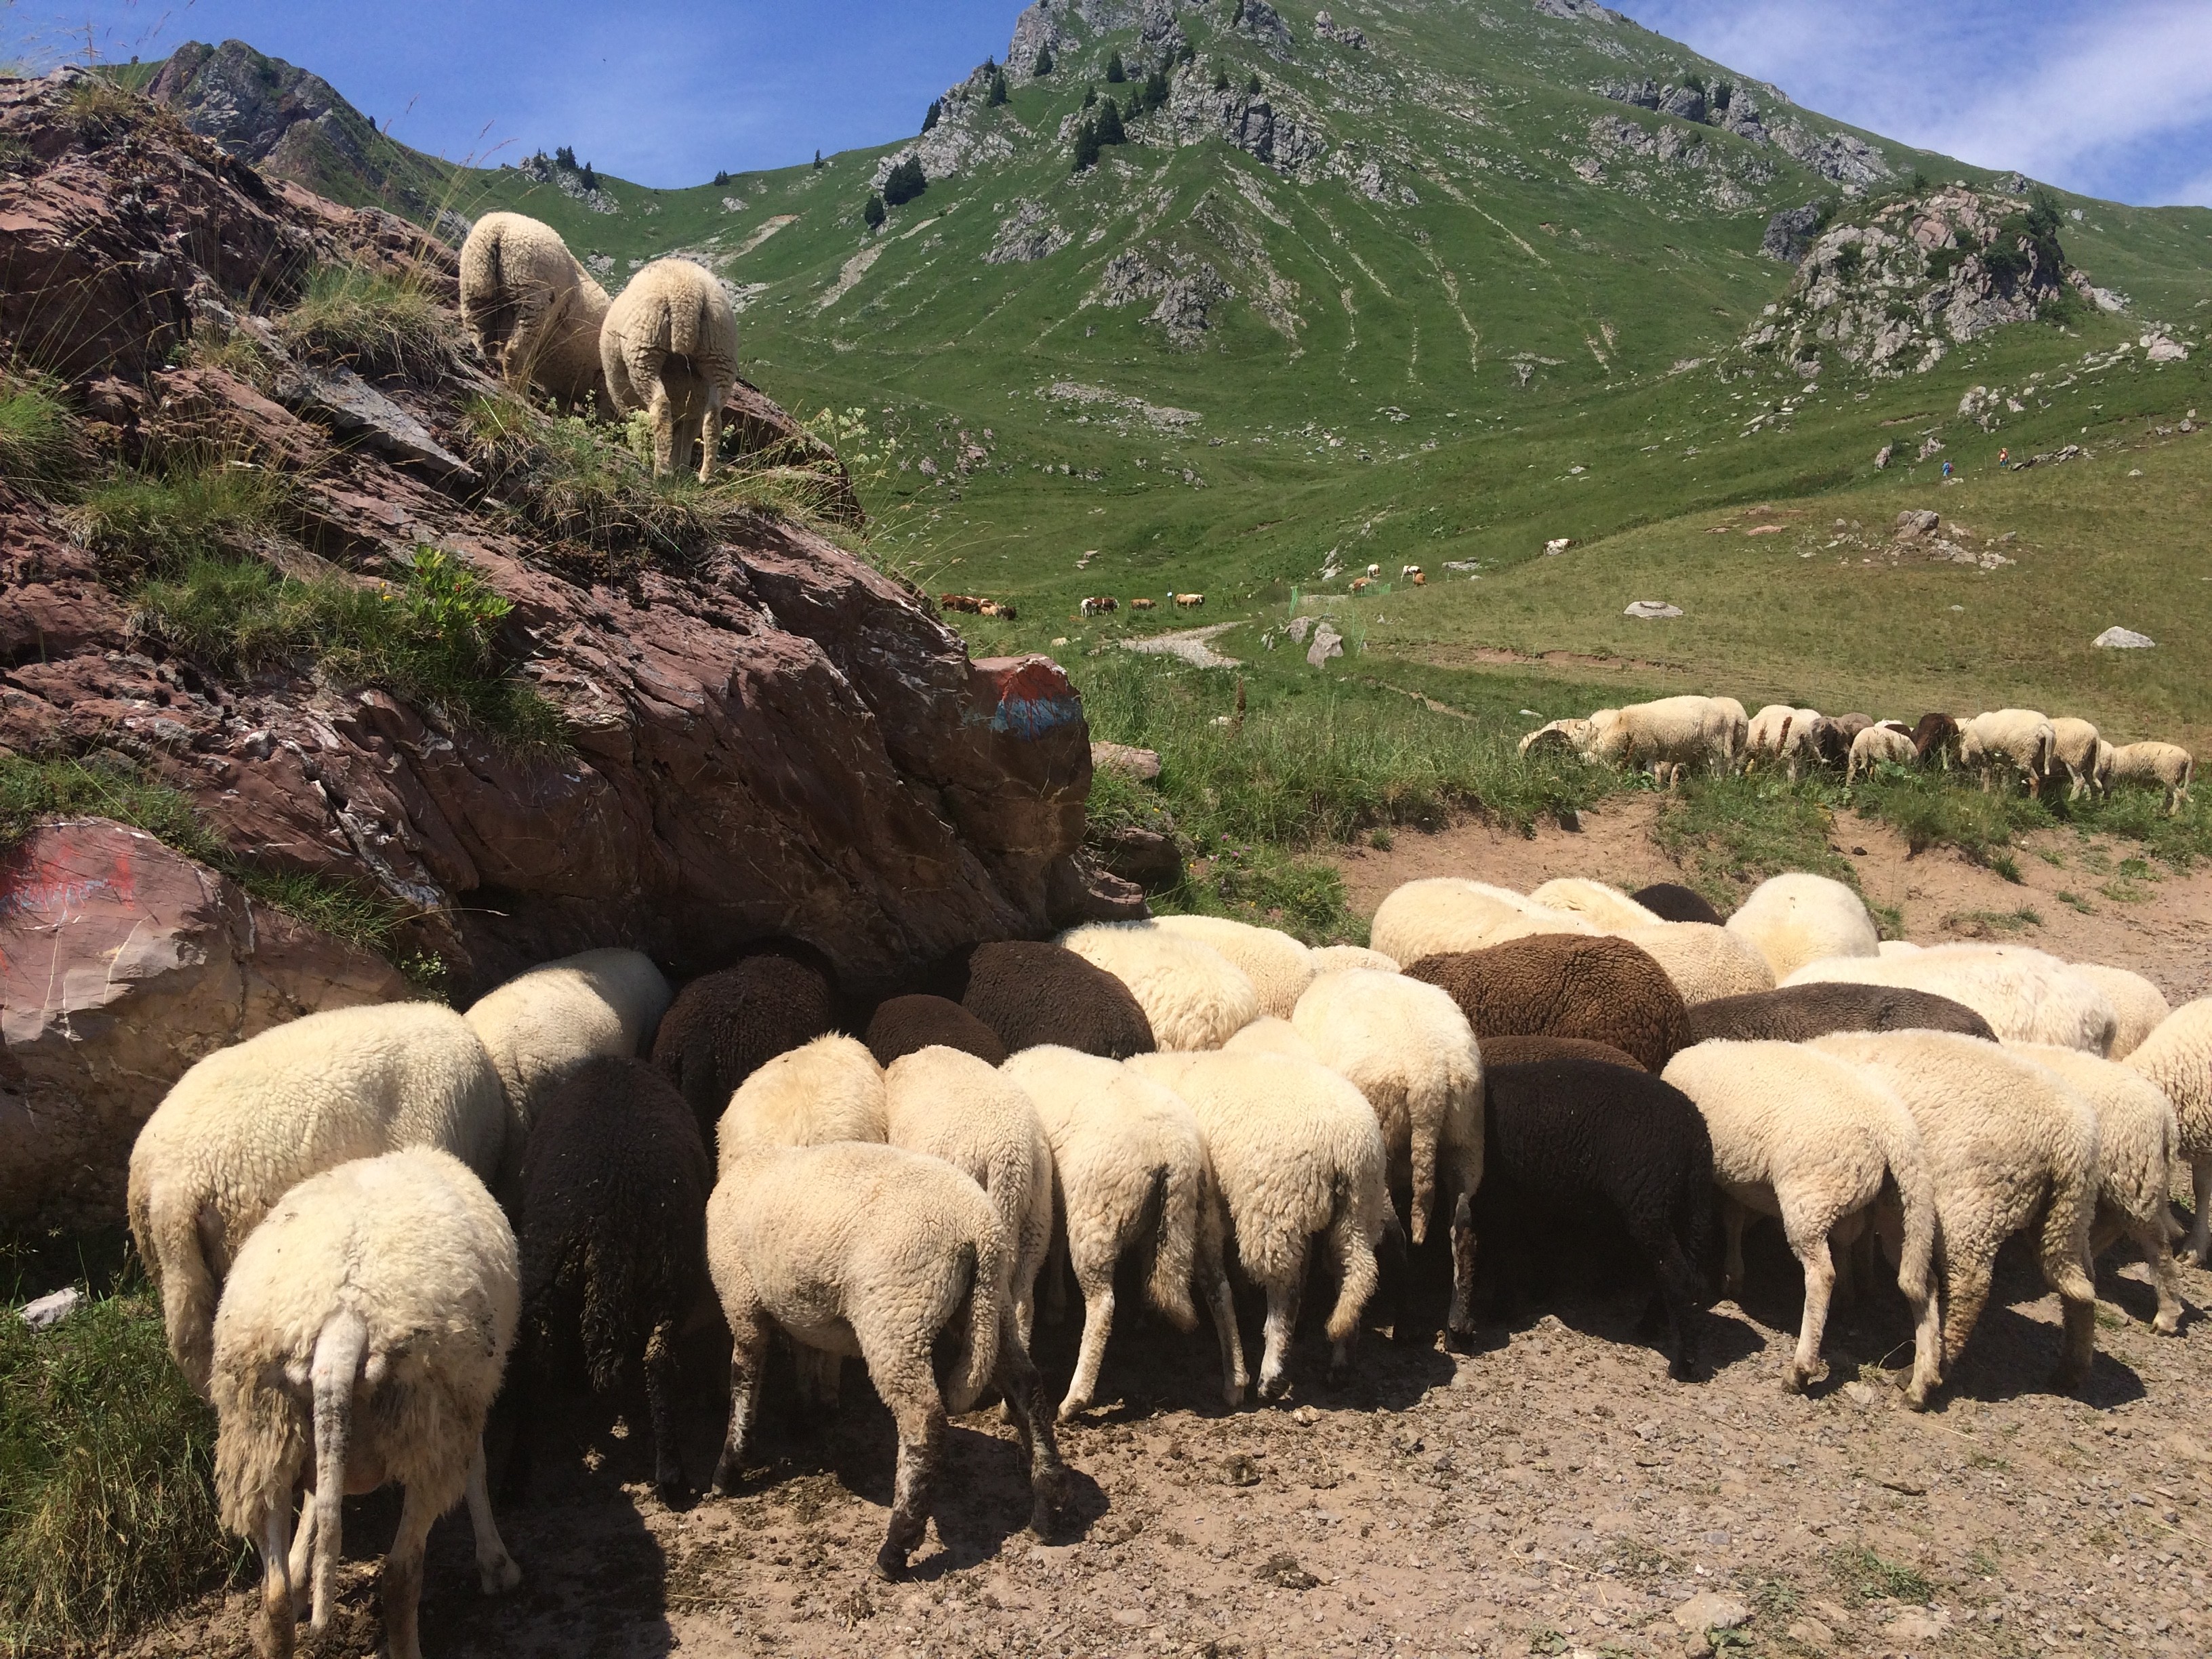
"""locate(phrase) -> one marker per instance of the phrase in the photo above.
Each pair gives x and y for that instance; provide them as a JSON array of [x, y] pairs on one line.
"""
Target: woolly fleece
[[1192, 996]]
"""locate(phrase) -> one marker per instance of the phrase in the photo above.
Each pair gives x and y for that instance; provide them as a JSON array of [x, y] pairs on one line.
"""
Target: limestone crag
[[1843, 157]]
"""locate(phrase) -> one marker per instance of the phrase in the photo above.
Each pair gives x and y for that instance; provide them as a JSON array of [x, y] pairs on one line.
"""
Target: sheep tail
[[1916, 1193], [339, 1351], [2065, 1243], [614, 1304], [178, 1259], [1177, 1193], [1351, 1239], [985, 1268], [1424, 1112]]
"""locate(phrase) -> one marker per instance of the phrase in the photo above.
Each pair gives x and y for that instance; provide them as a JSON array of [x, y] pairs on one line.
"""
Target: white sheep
[[2074, 750], [547, 1020], [1269, 1035], [858, 1249], [2139, 1006], [1686, 731], [1333, 958], [1877, 745], [2025, 995], [1280, 967], [828, 1089], [2138, 1148], [1193, 996], [2020, 736], [952, 1105], [247, 1123], [1705, 961], [1899, 947], [2102, 773], [1738, 726], [1567, 736], [1811, 1139], [1296, 1151], [1768, 734], [367, 1322], [1126, 1152], [1406, 1047], [2007, 1140], [1603, 906], [534, 312], [2177, 1057], [2166, 764], [1796, 918], [670, 346], [1440, 914]]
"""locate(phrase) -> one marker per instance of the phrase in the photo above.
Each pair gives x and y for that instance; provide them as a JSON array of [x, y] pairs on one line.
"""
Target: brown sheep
[[903, 1024], [1937, 734], [1031, 993], [1534, 1050], [1798, 1013], [1566, 985], [725, 1026]]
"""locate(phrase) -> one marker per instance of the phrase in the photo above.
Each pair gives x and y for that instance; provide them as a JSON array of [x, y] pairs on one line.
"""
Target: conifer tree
[[904, 182], [1221, 80], [818, 163], [998, 93], [1110, 124], [873, 213], [1086, 147], [936, 110], [1090, 97], [1115, 72], [1252, 86], [1044, 64]]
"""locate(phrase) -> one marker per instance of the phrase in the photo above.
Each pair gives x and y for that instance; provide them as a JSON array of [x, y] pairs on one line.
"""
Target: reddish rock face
[[121, 962], [765, 738]]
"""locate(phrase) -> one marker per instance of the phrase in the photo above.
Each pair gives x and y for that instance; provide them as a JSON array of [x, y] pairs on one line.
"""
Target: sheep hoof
[[1232, 1394], [891, 1563], [499, 1578], [2069, 1377], [1044, 1520], [2167, 1324], [726, 1478], [1917, 1398], [1274, 1387], [674, 1491], [1794, 1379], [1071, 1409]]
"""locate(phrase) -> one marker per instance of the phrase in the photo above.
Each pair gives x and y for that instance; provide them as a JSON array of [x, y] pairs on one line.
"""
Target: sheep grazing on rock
[[1031, 994], [1560, 984], [1705, 962], [828, 1089], [2177, 1057], [1130, 1169], [1605, 908], [1567, 737], [1279, 966], [1876, 745], [1798, 1013], [534, 312], [1531, 1050], [2166, 765], [1406, 1047], [548, 1020], [1671, 901], [1937, 735], [1428, 917], [952, 1105], [670, 346], [365, 1323], [1794, 919], [2007, 1141], [1334, 958], [728, 1024], [1569, 1138], [2139, 1006], [2020, 737], [247, 1123], [1688, 731], [905, 1025], [725, 1026], [855, 1249], [1192, 996], [2024, 994], [2074, 751], [2138, 1148], [1818, 1144], [612, 1219], [1296, 1151]]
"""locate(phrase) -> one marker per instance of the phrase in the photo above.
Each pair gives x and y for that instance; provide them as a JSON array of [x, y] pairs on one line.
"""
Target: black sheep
[[725, 1026], [1670, 901], [1031, 994], [906, 1024], [1570, 1141], [1798, 1013], [612, 1229]]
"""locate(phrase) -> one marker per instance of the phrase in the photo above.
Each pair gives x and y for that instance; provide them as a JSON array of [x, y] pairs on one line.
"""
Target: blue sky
[[2109, 97]]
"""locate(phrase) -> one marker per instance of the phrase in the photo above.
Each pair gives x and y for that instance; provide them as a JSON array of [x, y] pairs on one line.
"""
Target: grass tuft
[[195, 510], [1733, 833], [1875, 1578], [107, 1514], [38, 440], [373, 322]]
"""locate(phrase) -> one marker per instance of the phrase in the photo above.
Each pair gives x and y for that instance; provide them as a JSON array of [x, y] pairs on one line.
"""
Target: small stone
[[2123, 639], [1239, 1471], [1284, 1572], [1710, 1610], [1914, 1627], [1141, 764], [49, 1311], [1812, 1633], [1305, 1415], [1652, 610], [1326, 643], [1859, 1394]]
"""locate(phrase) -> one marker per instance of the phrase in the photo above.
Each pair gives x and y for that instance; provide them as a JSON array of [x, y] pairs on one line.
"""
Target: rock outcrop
[[760, 734], [121, 962], [1844, 157]]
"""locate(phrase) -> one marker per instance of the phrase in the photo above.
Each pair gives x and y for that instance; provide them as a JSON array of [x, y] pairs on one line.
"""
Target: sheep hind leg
[[659, 1405], [2198, 1250], [748, 1358], [1734, 1218], [1213, 1276], [1820, 1283], [710, 434], [403, 1577], [1965, 1290], [274, 1633], [1459, 1321], [662, 413], [1095, 1281], [909, 1388], [1679, 1296], [1282, 1321], [2150, 1238], [1022, 1385], [495, 1569]]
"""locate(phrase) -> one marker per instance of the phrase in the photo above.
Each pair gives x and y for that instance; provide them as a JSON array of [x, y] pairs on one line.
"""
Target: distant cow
[[1190, 601], [967, 602], [1003, 612], [1360, 584], [1144, 604], [1409, 570], [1374, 570], [1100, 605], [1419, 580]]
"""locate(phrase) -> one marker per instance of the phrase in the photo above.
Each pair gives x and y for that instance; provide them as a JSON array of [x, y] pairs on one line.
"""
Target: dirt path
[[2123, 910], [1194, 645]]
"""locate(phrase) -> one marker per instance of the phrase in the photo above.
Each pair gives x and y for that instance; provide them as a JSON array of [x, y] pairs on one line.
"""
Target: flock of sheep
[[354, 1218], [667, 345], [1674, 733]]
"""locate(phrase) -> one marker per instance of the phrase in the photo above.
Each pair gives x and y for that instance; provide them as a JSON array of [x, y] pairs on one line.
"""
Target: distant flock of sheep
[[355, 1219], [667, 345], [1675, 733]]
